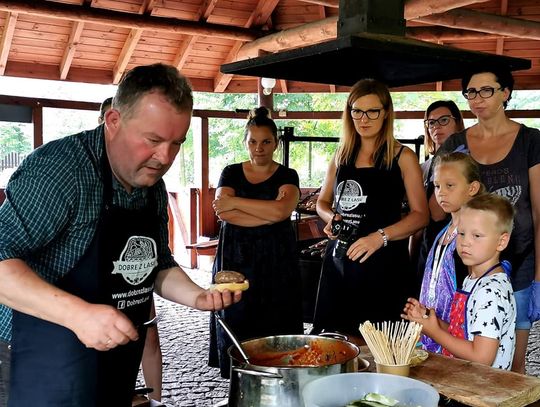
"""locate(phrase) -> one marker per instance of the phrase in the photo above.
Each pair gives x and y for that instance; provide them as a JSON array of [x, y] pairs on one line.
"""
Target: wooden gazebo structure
[[98, 40]]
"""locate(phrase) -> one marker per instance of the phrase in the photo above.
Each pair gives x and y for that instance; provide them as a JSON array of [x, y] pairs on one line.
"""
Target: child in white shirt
[[483, 315]]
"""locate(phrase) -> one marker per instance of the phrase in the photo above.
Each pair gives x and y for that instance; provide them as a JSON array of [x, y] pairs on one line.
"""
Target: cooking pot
[[280, 366]]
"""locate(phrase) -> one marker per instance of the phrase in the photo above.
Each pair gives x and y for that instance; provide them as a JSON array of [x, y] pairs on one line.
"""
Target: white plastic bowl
[[340, 389]]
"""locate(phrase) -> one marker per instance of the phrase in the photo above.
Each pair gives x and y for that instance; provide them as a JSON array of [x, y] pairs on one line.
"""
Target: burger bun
[[243, 286]]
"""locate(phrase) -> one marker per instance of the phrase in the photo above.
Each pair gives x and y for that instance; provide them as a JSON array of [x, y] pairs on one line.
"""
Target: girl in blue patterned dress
[[456, 180]]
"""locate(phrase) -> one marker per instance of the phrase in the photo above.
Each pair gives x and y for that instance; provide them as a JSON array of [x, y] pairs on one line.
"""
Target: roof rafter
[[500, 41], [444, 34], [222, 80], [183, 52], [325, 3], [259, 16], [207, 8], [419, 8], [7, 37], [70, 12], [125, 54], [326, 29], [487, 23], [283, 85], [69, 52]]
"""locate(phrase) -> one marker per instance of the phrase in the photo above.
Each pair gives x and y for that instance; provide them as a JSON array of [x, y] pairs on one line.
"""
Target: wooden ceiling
[[96, 41]]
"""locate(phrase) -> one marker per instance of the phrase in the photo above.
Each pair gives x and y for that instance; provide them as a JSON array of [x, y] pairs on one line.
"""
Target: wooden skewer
[[391, 343]]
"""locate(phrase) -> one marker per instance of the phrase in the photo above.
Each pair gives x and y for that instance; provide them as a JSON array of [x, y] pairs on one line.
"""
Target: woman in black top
[[254, 201], [366, 270], [508, 154]]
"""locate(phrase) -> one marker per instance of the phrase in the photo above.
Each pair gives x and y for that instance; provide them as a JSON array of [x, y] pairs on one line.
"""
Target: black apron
[[50, 366], [351, 292]]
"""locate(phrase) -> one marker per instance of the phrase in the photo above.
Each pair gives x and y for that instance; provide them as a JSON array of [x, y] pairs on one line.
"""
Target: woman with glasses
[[366, 270], [508, 154], [441, 119]]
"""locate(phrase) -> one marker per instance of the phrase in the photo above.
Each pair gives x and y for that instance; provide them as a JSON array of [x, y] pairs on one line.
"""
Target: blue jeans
[[5, 360], [522, 307]]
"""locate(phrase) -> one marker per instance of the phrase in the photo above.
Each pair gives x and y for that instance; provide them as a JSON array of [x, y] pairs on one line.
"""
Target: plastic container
[[338, 390], [400, 370]]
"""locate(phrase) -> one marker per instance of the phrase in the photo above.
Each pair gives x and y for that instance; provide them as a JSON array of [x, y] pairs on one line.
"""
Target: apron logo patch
[[137, 260], [352, 195]]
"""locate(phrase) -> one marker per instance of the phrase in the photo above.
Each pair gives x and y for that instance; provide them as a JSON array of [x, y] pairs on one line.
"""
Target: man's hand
[[215, 300], [534, 302], [102, 327]]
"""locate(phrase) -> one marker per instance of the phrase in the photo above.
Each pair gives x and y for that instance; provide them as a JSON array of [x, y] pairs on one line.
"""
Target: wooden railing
[[11, 160]]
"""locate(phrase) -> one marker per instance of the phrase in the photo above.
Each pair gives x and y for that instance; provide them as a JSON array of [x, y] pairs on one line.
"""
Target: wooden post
[[37, 119], [206, 213]]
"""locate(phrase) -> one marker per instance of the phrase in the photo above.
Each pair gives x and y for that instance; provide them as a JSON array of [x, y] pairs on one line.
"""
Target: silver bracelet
[[384, 237]]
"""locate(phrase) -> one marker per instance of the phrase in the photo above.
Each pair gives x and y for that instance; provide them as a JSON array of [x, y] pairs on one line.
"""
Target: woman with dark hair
[[366, 270], [441, 119], [254, 201], [508, 154]]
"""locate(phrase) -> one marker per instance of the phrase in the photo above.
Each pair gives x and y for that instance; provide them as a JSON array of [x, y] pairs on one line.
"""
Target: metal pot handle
[[255, 372], [334, 335]]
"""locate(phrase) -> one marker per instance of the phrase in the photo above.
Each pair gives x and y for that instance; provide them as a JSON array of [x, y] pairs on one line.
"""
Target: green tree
[[13, 140]]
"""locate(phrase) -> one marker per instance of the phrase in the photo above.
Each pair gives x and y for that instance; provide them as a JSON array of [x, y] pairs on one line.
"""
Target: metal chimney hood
[[371, 44]]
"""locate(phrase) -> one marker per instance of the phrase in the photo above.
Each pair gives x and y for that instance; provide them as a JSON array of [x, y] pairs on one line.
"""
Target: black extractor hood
[[371, 43]]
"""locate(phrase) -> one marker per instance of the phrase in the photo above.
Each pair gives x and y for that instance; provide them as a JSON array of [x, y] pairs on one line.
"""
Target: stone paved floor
[[189, 382]]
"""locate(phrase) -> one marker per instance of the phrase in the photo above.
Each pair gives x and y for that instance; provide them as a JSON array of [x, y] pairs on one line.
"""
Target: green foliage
[[13, 140], [310, 159]]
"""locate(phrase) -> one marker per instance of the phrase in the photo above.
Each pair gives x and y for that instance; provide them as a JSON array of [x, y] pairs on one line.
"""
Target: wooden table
[[473, 384]]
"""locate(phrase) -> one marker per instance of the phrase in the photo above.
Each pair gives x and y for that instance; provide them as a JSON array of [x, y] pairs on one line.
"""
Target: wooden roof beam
[[125, 54], [487, 23], [325, 3], [306, 34], [5, 42], [283, 85], [259, 16], [442, 34], [261, 13], [146, 6], [419, 8], [499, 48], [49, 9], [184, 51], [326, 29], [222, 80], [413, 8], [69, 52], [207, 9]]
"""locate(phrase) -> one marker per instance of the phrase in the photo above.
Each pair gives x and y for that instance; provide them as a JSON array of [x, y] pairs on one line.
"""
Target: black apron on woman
[[351, 292], [50, 366]]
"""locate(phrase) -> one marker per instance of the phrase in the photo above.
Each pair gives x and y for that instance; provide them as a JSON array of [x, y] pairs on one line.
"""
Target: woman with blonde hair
[[366, 270]]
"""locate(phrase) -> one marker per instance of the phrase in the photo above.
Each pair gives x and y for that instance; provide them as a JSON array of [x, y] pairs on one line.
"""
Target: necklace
[[450, 235], [438, 256]]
